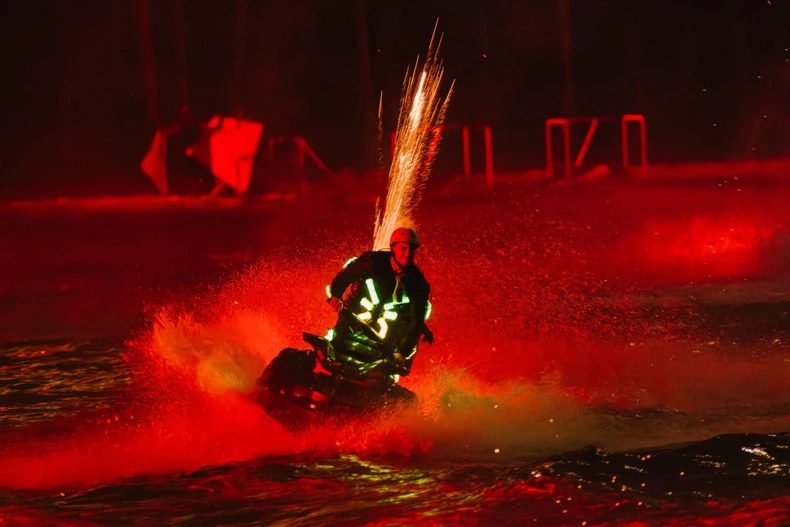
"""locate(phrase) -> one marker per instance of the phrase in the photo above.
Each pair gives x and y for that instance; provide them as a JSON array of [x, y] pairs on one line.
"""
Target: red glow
[[705, 246]]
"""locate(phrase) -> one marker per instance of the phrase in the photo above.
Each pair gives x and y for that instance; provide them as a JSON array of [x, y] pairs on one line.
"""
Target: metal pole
[[467, 159], [489, 158]]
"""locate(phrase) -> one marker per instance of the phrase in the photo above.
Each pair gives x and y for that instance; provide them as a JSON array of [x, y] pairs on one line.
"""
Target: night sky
[[78, 115]]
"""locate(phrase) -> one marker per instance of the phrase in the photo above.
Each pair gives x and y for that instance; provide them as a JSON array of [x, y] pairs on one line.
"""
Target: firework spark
[[416, 141]]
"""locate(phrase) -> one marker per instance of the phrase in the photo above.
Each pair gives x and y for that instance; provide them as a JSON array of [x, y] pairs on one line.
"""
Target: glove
[[427, 335]]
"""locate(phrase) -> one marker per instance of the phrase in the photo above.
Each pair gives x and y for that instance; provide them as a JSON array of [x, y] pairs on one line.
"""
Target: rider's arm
[[419, 306], [350, 274]]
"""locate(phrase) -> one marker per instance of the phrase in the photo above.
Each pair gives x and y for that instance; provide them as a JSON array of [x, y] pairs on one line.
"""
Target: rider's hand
[[335, 303], [400, 359]]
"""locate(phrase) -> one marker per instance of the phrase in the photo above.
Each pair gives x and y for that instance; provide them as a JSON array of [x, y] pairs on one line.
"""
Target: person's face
[[403, 253]]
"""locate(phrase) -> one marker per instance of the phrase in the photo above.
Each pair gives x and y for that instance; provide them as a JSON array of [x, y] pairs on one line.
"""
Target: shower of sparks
[[416, 141]]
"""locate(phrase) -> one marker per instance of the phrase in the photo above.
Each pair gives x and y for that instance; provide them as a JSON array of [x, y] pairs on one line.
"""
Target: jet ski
[[330, 380]]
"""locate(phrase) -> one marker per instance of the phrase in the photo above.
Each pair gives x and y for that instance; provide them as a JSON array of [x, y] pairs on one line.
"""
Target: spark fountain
[[421, 116]]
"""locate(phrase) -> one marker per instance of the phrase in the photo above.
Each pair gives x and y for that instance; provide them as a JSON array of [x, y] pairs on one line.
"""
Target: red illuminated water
[[562, 320]]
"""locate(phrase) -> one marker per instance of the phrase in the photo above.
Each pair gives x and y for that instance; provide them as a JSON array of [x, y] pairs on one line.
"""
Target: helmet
[[403, 234]]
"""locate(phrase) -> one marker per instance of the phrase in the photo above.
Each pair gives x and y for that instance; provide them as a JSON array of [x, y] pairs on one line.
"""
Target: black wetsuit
[[407, 296]]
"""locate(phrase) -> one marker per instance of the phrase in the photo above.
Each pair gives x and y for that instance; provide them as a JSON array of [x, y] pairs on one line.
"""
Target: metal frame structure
[[302, 148], [565, 124]]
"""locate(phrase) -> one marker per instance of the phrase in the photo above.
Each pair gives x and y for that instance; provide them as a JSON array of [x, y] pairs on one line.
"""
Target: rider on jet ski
[[357, 365], [390, 295]]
